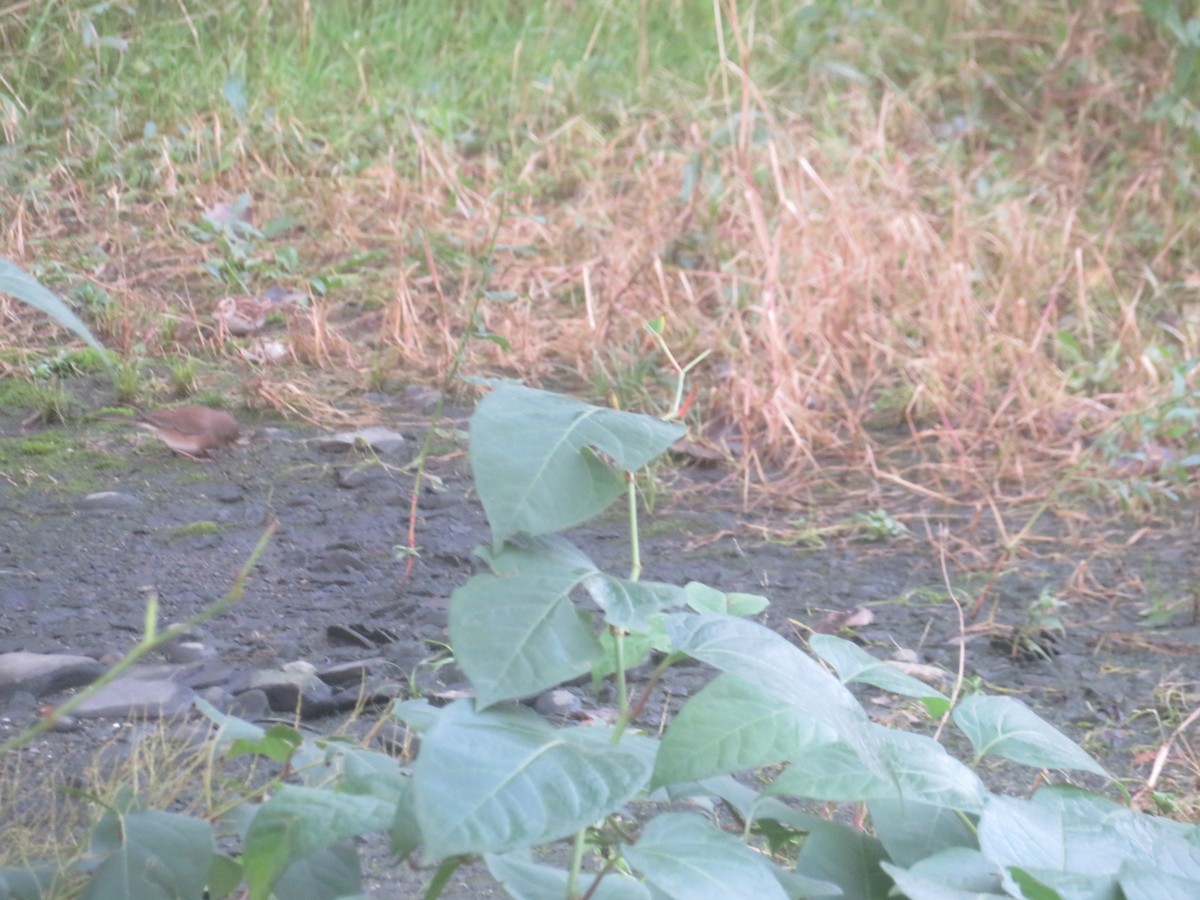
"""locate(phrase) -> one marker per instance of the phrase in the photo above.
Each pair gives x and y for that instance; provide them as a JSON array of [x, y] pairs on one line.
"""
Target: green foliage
[[20, 284], [1178, 21], [127, 382], [193, 529], [493, 779]]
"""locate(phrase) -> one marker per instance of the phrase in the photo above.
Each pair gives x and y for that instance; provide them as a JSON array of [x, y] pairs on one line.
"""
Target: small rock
[[188, 652], [379, 439], [225, 492], [558, 703], [217, 697], [289, 691], [354, 672], [348, 636], [252, 706], [338, 560], [66, 724], [424, 399], [204, 674]]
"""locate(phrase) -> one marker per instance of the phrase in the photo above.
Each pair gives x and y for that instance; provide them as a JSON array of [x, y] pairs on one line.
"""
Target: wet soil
[[75, 575]]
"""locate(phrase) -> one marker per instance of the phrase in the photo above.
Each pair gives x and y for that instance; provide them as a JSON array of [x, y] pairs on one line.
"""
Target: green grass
[[193, 529], [339, 82]]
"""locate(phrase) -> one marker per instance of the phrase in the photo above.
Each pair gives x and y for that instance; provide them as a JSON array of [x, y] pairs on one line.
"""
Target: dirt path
[[75, 573]]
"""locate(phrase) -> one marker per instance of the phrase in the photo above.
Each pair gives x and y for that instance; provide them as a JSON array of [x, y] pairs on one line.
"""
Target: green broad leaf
[[777, 668], [419, 714], [526, 880], [848, 858], [1046, 884], [151, 854], [629, 604], [332, 873], [546, 554], [854, 664], [519, 635], [16, 282], [637, 646], [749, 803], [730, 726], [278, 742], [912, 831], [1150, 832], [224, 876], [405, 833], [915, 768], [369, 773], [1006, 727], [703, 598], [954, 874], [232, 728], [503, 779], [297, 822], [536, 458], [741, 604], [1104, 836], [1047, 841], [797, 885], [1140, 881], [685, 856], [32, 882]]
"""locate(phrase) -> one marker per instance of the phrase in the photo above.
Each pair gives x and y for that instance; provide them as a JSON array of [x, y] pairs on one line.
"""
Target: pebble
[[381, 440]]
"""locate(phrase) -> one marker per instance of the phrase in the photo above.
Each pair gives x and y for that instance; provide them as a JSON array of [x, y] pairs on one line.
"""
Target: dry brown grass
[[870, 290]]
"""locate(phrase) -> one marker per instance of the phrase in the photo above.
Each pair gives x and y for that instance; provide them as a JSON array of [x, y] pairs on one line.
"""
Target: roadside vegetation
[[948, 249]]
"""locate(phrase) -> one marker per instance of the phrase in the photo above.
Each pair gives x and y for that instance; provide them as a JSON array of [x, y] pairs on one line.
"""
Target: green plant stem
[[576, 864], [681, 372], [636, 711], [442, 877], [635, 549], [151, 641], [622, 689], [635, 572]]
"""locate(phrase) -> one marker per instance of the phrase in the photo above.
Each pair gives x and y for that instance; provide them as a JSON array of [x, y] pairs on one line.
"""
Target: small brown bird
[[243, 314], [191, 431]]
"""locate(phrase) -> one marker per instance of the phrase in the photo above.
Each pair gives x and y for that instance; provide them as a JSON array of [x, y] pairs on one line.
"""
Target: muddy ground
[[74, 576]]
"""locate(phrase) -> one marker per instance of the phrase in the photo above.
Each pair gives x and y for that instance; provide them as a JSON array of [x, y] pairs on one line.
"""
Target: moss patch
[[204, 526]]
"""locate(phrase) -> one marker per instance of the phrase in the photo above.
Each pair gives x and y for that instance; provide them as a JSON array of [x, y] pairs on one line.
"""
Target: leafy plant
[[20, 284], [493, 779]]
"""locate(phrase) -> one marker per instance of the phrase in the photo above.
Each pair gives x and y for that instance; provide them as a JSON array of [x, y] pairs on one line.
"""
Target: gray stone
[[338, 560], [378, 438], [352, 673], [252, 706], [217, 697], [205, 674], [45, 673], [134, 695], [187, 652], [289, 691], [225, 492], [558, 703]]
